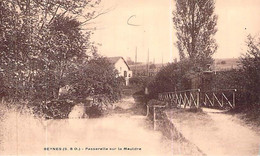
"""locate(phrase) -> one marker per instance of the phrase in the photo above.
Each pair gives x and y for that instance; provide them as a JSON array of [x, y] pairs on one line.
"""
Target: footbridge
[[195, 98]]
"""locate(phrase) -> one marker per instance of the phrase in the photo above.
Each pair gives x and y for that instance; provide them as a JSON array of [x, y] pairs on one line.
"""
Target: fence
[[190, 98], [194, 98], [219, 98]]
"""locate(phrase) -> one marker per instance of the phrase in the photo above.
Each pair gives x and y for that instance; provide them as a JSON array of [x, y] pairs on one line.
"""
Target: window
[[125, 73]]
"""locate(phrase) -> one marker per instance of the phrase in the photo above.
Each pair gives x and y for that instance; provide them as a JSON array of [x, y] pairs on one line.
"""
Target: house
[[122, 67]]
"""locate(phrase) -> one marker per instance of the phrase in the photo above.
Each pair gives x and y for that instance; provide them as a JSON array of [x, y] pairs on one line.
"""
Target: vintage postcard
[[129, 77]]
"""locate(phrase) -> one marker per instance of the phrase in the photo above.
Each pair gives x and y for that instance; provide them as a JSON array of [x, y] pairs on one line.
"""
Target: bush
[[251, 69], [174, 76], [156, 102], [96, 77], [56, 109], [94, 111], [232, 79], [140, 81]]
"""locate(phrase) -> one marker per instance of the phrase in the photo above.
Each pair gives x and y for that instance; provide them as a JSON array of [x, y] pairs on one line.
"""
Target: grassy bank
[[249, 115]]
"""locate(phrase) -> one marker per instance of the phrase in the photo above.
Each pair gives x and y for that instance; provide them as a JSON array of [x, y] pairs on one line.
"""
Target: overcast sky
[[155, 31]]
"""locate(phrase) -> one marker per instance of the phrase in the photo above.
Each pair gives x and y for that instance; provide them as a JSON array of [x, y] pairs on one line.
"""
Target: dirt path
[[234, 134], [217, 133], [100, 136]]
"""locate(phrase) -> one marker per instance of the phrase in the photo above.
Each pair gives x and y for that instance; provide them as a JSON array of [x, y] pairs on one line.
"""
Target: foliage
[[37, 39], [177, 76], [231, 79], [195, 23], [55, 109], [140, 81], [44, 48], [251, 68], [96, 77], [156, 102], [174, 76], [94, 111]]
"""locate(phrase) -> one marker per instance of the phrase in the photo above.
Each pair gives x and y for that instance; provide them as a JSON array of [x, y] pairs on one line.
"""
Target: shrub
[[55, 109], [96, 77], [232, 79], [174, 76], [140, 81], [156, 102], [94, 111], [251, 68]]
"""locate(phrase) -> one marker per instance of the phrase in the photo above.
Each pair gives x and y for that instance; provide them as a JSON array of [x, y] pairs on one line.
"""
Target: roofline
[[123, 60], [125, 63]]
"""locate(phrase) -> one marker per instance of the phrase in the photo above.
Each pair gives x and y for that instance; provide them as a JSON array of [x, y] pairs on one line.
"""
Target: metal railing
[[194, 98], [190, 98], [219, 98]]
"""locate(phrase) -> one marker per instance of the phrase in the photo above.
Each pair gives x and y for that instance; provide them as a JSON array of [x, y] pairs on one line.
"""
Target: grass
[[249, 114]]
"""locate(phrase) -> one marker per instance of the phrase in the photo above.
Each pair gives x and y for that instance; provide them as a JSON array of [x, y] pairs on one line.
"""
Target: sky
[[146, 25]]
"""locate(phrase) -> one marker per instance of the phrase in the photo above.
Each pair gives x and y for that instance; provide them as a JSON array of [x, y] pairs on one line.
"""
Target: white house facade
[[122, 67]]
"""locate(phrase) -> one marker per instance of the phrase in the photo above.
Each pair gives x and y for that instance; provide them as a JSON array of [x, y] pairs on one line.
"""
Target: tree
[[195, 23], [251, 66], [37, 37], [63, 47], [96, 77]]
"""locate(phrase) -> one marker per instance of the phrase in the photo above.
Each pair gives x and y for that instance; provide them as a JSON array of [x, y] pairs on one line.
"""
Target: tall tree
[[63, 47], [195, 23], [35, 34]]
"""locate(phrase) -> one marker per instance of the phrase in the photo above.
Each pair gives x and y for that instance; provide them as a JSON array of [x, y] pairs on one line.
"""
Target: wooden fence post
[[198, 98], [234, 98], [154, 118], [147, 111]]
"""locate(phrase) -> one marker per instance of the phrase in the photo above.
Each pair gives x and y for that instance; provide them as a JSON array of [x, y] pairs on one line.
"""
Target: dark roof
[[113, 60]]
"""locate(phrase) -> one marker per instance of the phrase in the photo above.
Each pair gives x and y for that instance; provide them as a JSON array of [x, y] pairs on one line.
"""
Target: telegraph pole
[[162, 59], [148, 63], [135, 60]]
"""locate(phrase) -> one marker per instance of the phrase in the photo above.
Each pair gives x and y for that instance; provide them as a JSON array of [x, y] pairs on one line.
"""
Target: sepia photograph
[[129, 77]]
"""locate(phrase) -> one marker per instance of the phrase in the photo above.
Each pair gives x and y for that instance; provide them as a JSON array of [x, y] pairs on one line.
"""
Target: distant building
[[142, 69], [225, 64], [122, 67]]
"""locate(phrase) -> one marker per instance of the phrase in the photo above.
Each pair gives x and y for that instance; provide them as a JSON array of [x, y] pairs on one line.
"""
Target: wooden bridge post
[[198, 98], [154, 118], [234, 98], [147, 111]]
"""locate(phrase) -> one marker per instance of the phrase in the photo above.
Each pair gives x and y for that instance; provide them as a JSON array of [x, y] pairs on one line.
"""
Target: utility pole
[[135, 60], [162, 59], [171, 29], [148, 63]]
